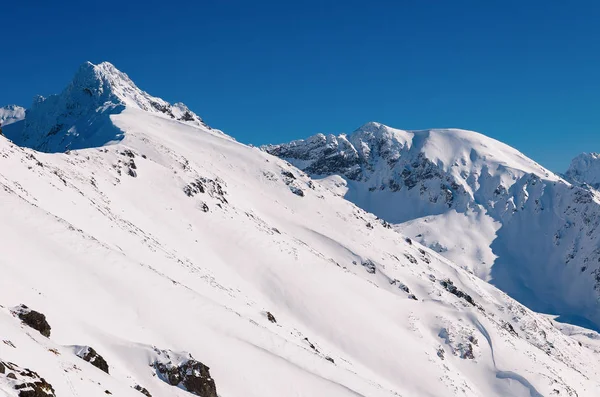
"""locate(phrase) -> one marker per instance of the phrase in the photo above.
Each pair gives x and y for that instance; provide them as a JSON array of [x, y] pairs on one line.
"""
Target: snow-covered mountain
[[475, 200], [175, 261], [79, 117], [585, 168], [11, 114]]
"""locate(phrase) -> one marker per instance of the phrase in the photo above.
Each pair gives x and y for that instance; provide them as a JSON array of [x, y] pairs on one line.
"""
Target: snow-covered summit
[[11, 114], [386, 158], [585, 168], [79, 117]]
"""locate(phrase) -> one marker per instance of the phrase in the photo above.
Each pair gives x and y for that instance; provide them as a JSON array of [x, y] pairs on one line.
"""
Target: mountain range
[[144, 252]]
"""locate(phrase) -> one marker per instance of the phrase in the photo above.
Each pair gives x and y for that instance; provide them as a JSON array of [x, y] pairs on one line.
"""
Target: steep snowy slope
[[477, 201], [11, 114], [178, 241]]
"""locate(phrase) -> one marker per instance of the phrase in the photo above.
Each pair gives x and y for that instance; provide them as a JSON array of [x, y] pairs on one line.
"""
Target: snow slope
[[177, 240], [475, 200]]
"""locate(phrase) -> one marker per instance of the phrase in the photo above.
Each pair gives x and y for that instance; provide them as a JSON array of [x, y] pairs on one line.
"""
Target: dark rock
[[296, 190], [369, 266], [450, 287], [142, 390], [271, 317], [131, 172], [192, 375], [128, 153], [329, 359], [408, 240], [91, 356], [107, 392], [35, 320], [27, 382], [288, 174], [311, 345], [2, 368], [508, 326]]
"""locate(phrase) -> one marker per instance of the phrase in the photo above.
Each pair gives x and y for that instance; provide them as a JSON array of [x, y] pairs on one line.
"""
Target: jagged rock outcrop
[[90, 355], [186, 373], [33, 319], [26, 382]]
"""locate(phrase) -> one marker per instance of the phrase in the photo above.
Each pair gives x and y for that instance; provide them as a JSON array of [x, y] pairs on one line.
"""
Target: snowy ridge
[[177, 244], [477, 201], [79, 117]]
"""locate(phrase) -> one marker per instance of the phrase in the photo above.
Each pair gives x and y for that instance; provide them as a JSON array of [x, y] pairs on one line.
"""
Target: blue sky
[[524, 72]]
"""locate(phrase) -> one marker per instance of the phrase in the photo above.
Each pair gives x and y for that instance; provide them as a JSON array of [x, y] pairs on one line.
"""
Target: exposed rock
[[35, 320], [27, 382], [450, 287], [189, 374], [297, 191], [271, 317], [212, 187], [369, 266], [143, 390], [91, 356], [331, 360]]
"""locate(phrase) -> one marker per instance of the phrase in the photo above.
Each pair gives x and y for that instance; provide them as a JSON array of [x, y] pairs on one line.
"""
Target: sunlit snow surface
[[123, 251]]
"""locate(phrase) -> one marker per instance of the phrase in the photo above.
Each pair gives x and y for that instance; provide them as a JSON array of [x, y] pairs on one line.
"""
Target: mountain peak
[[79, 117]]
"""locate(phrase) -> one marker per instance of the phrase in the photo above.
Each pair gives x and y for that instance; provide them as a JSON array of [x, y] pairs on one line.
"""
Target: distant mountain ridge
[[477, 201]]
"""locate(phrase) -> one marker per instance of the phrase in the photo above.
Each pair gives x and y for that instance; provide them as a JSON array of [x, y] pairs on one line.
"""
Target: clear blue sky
[[524, 72]]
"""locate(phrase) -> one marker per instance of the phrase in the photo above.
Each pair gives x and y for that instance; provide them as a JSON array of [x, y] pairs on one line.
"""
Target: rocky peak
[[79, 116]]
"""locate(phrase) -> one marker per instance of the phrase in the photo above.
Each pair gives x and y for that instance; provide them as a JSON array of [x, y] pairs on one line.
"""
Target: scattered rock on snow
[[369, 266], [143, 390], [26, 382], [271, 317]]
